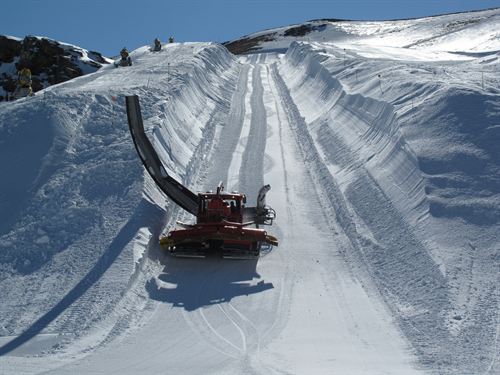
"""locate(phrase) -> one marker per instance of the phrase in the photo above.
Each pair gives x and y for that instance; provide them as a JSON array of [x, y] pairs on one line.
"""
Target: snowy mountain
[[379, 140], [50, 62], [468, 32]]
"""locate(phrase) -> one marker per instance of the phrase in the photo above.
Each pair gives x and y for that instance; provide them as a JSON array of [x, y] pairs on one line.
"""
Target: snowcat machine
[[224, 224]]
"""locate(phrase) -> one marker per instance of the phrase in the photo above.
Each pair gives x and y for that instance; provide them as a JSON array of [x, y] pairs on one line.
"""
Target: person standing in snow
[[157, 46], [125, 60], [23, 84], [171, 39]]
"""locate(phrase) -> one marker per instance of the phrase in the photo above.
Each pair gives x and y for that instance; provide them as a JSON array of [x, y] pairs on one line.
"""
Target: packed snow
[[379, 140]]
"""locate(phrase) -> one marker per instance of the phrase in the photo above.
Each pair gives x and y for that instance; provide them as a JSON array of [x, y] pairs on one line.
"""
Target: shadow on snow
[[194, 283], [146, 213]]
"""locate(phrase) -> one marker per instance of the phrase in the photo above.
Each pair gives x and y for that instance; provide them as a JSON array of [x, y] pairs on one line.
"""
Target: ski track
[[235, 163], [252, 164]]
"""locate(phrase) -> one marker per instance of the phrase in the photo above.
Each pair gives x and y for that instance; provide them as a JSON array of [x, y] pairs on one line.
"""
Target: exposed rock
[[246, 44], [254, 42], [9, 48], [50, 62], [303, 29]]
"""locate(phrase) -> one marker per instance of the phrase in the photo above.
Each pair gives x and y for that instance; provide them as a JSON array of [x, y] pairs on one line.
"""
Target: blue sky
[[108, 25]]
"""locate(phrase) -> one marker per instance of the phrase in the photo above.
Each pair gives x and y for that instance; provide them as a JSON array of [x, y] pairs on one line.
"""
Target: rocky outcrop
[[50, 62], [254, 42], [247, 44], [9, 48]]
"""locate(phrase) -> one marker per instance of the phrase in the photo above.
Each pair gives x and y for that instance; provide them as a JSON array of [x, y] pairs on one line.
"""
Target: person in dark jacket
[[157, 46], [125, 60]]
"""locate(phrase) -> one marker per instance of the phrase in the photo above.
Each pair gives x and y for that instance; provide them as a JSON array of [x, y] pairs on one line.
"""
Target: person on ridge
[[23, 84], [157, 46], [125, 60], [171, 39]]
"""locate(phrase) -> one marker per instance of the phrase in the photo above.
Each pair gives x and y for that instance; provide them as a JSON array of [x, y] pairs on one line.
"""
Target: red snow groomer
[[223, 222]]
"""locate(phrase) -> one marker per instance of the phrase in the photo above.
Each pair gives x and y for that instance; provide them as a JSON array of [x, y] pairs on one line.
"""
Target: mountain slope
[[471, 32], [379, 145]]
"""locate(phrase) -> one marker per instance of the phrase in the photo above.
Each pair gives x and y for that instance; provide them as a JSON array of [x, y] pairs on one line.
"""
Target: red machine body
[[220, 227], [223, 222]]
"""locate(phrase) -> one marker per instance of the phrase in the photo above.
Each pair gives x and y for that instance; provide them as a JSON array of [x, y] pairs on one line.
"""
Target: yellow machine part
[[166, 242], [271, 240]]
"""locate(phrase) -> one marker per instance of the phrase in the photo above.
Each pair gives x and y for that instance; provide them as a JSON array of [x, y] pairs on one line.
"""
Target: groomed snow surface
[[384, 164]]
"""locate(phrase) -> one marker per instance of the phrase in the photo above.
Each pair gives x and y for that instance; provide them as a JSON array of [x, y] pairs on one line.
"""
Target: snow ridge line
[[374, 136], [197, 99]]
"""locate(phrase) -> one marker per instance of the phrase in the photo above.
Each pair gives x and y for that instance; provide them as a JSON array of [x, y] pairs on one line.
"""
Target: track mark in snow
[[220, 336], [312, 266], [279, 115], [252, 164], [237, 155], [217, 311]]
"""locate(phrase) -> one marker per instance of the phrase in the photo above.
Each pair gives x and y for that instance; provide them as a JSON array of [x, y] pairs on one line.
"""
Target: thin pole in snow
[[113, 109]]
